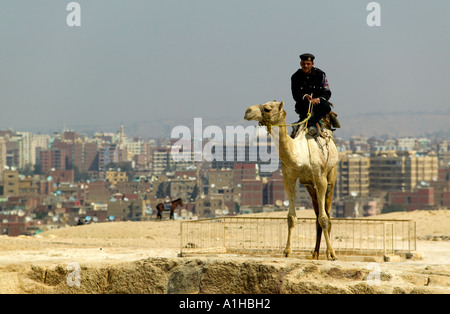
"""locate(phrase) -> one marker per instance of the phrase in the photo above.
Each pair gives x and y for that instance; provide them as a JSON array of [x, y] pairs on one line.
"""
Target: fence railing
[[261, 235]]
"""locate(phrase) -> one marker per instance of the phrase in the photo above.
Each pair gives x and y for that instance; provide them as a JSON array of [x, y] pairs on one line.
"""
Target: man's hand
[[315, 101]]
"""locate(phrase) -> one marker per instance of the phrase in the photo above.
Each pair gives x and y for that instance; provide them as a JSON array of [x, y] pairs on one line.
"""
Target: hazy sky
[[146, 60]]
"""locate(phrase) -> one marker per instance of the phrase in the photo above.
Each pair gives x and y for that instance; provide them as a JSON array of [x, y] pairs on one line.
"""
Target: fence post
[[181, 239], [386, 238], [224, 234]]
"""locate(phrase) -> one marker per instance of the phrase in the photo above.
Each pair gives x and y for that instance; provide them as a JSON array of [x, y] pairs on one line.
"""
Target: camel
[[312, 161]]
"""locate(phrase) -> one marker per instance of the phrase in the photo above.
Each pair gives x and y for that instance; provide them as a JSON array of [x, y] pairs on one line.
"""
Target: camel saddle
[[167, 206], [329, 122]]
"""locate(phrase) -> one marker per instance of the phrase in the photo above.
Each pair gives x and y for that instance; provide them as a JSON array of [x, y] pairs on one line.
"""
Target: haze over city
[[144, 61]]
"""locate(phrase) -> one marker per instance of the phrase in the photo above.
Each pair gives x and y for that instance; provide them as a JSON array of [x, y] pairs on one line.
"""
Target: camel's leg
[[289, 186], [328, 201], [312, 193], [324, 219], [330, 190]]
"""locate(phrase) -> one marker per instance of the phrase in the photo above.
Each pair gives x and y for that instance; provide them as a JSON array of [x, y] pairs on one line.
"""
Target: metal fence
[[261, 235]]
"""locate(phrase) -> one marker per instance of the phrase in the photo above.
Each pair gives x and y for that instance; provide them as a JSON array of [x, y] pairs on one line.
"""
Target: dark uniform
[[314, 83]]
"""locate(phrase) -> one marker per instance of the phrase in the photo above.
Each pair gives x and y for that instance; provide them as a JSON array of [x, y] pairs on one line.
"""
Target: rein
[[266, 119]]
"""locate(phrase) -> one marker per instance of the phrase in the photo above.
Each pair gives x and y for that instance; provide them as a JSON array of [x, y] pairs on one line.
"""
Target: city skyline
[[63, 175], [141, 62]]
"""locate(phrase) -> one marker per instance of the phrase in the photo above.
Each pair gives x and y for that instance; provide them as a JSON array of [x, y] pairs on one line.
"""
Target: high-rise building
[[54, 158], [24, 140], [108, 153], [2, 156], [353, 176], [160, 160], [39, 142], [402, 171], [85, 156]]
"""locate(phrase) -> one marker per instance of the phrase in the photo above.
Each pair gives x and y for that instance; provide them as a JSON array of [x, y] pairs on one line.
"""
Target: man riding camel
[[310, 87]]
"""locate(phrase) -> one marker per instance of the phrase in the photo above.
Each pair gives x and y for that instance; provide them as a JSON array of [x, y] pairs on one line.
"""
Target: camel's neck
[[283, 143]]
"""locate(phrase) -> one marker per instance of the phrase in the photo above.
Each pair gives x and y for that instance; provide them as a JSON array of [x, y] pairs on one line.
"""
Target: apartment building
[[85, 155], [182, 188], [422, 198], [402, 171], [10, 183], [274, 189], [114, 177], [108, 153], [160, 160], [220, 179], [353, 175], [54, 158]]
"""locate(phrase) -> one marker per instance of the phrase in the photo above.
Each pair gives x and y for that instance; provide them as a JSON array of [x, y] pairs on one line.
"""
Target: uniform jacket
[[304, 84]]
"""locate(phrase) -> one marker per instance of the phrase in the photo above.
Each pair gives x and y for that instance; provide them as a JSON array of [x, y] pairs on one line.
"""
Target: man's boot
[[334, 120]]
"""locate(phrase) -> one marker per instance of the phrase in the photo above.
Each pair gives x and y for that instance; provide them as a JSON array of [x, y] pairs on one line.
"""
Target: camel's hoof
[[315, 256], [287, 253], [332, 258]]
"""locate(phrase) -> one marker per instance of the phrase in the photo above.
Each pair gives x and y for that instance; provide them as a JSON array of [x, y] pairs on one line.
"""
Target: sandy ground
[[137, 240], [133, 241]]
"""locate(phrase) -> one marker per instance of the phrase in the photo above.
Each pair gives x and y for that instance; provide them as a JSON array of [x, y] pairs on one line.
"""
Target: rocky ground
[[142, 257]]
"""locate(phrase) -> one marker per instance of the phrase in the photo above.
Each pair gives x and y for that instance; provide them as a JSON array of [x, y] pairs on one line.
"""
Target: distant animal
[[312, 161], [174, 204]]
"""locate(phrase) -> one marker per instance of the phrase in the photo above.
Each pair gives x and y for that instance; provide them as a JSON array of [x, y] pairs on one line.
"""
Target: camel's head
[[271, 113]]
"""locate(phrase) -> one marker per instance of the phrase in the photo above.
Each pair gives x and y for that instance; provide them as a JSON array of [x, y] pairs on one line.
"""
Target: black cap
[[307, 57]]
